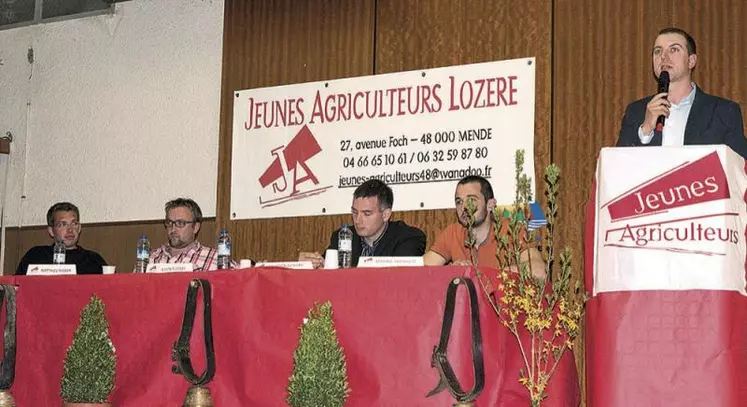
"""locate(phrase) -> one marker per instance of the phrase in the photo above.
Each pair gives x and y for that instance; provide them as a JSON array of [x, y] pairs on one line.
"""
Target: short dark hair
[[61, 207], [185, 203], [377, 188], [485, 188], [688, 38]]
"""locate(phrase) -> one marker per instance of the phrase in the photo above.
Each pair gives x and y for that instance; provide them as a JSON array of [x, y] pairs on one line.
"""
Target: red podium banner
[[665, 255]]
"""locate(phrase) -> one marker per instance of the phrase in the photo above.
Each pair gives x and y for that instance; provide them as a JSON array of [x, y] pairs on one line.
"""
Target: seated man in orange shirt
[[449, 246]]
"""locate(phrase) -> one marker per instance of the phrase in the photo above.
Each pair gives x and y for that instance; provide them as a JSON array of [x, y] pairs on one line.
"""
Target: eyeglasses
[[64, 225], [177, 223]]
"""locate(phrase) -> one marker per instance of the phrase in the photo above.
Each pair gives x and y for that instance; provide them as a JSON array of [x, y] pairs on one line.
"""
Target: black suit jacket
[[712, 120], [399, 239]]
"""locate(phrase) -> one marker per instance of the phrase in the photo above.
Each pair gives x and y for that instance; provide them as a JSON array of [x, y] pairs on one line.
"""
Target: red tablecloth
[[664, 348], [388, 321]]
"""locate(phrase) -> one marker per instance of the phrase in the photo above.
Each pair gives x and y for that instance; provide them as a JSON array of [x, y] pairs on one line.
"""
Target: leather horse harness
[[180, 350], [439, 360]]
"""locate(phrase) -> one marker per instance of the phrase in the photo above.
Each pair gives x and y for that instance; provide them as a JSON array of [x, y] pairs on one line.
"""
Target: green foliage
[[523, 182], [90, 363], [549, 310], [470, 242], [319, 376]]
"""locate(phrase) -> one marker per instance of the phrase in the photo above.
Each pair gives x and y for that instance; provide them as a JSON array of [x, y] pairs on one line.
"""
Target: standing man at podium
[[690, 115]]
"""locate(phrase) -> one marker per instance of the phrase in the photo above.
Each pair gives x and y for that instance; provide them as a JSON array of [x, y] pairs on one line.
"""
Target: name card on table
[[170, 268], [407, 261], [293, 265], [51, 270]]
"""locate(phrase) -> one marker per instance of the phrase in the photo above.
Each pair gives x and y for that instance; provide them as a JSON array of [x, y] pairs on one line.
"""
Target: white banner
[[670, 218], [301, 150]]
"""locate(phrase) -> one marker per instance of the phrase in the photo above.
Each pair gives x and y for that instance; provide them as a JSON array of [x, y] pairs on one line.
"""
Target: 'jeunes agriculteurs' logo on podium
[[662, 213]]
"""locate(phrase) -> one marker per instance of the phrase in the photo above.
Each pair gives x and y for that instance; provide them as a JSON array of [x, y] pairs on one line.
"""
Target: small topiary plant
[[90, 363], [319, 373]]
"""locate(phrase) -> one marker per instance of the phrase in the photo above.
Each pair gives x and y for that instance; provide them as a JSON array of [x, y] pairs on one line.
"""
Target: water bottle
[[224, 250], [143, 254], [345, 247], [59, 252]]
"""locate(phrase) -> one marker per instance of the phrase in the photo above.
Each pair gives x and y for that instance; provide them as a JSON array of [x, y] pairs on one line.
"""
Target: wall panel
[[602, 62], [412, 34], [278, 42]]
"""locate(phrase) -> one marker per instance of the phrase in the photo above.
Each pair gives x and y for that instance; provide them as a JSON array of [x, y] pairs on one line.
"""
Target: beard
[[176, 242], [480, 218]]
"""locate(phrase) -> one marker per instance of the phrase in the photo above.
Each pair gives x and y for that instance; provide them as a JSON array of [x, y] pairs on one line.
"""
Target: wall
[[118, 113]]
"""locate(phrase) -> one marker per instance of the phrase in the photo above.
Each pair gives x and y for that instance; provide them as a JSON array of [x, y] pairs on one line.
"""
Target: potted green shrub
[[90, 363]]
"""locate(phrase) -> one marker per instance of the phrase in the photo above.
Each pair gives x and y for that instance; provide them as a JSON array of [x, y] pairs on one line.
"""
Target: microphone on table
[[663, 87]]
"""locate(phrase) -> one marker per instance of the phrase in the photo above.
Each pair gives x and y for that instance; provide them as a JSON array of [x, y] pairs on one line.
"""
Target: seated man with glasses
[[63, 223], [182, 223]]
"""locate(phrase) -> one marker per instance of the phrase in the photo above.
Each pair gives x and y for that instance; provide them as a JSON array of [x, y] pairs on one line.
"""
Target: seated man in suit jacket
[[692, 116], [374, 234]]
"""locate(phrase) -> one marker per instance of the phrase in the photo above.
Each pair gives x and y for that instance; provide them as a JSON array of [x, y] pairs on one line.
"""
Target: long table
[[388, 322]]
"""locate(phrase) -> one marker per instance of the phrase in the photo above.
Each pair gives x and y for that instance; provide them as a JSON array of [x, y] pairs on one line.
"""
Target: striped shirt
[[202, 257]]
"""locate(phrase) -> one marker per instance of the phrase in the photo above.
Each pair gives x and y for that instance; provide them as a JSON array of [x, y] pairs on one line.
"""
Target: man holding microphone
[[689, 115]]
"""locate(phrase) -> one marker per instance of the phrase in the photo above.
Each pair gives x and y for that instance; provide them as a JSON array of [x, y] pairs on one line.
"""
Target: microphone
[[663, 87]]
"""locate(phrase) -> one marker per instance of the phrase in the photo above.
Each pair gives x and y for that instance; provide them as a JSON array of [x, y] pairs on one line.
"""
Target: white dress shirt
[[674, 127]]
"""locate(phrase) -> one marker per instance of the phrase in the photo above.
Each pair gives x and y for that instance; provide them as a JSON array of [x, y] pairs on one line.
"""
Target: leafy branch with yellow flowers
[[547, 311]]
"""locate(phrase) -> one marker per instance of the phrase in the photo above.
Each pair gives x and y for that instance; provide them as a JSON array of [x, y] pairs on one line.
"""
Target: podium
[[665, 265]]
